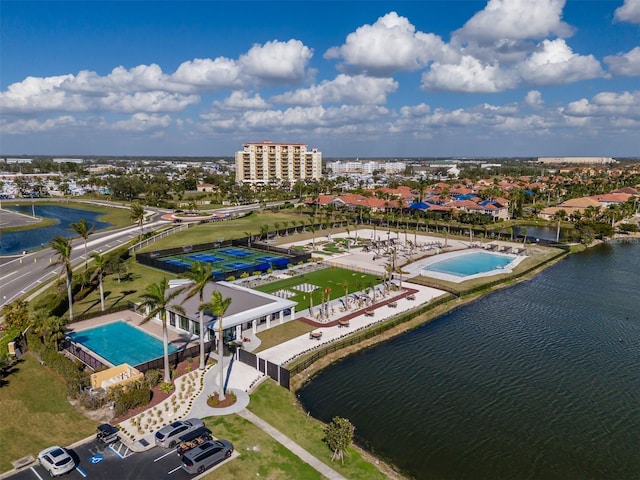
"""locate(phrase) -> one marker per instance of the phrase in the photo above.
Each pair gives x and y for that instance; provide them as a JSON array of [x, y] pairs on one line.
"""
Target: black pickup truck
[[193, 439]]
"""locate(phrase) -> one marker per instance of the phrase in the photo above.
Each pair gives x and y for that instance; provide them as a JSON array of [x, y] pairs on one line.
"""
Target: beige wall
[[120, 375]]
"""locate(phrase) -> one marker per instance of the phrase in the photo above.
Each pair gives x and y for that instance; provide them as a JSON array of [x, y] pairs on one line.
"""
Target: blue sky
[[353, 78]]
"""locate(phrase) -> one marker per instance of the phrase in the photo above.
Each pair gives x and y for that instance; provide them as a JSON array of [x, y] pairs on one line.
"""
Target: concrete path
[[292, 446]]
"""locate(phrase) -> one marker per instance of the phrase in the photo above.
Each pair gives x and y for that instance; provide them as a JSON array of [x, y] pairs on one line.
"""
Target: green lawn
[[35, 413], [227, 230], [338, 280], [279, 407], [260, 455], [281, 333]]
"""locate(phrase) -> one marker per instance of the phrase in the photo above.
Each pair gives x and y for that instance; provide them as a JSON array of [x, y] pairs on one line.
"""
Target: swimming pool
[[460, 266], [119, 342]]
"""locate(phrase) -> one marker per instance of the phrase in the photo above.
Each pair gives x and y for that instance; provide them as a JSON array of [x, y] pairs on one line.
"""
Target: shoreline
[[307, 375]]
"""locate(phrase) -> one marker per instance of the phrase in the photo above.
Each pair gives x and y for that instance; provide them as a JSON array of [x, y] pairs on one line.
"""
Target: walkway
[[292, 446]]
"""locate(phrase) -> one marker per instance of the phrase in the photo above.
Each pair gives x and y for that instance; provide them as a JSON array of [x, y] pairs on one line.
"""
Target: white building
[[266, 162], [577, 160]]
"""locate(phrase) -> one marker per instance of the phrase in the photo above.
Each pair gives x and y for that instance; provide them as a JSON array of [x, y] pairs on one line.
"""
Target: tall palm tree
[[100, 264], [156, 299], [62, 247], [137, 215], [218, 306], [559, 216], [82, 229], [200, 275]]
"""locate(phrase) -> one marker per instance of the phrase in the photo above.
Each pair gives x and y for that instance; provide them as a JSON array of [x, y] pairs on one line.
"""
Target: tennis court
[[231, 260]]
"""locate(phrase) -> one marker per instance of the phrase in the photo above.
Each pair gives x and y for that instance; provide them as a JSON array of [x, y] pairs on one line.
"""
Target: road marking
[[8, 275], [170, 452], [174, 470], [36, 473], [81, 471]]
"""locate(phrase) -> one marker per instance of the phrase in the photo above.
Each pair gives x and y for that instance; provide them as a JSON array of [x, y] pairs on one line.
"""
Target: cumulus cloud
[[359, 89], [390, 45], [516, 20], [239, 100], [277, 62], [209, 74], [26, 126], [470, 75], [628, 12], [534, 99], [606, 104], [555, 63], [143, 122], [625, 64]]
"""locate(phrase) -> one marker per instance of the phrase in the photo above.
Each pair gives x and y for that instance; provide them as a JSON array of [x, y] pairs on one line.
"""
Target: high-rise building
[[267, 162]]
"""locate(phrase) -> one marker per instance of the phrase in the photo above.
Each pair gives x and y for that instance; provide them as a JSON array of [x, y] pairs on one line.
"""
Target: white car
[[56, 461]]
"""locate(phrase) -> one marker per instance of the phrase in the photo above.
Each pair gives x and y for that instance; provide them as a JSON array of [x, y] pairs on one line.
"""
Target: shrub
[[92, 401], [135, 395], [166, 387], [152, 377]]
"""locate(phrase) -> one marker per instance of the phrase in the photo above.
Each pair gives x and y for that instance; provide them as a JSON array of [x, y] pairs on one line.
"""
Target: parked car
[[193, 439], [107, 433], [167, 437], [56, 460], [199, 458]]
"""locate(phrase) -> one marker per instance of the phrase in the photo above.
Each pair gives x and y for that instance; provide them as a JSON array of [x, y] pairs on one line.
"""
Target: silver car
[[167, 437], [56, 461], [199, 458]]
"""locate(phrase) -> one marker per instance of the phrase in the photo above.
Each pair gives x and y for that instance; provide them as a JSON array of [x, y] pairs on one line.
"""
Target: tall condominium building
[[266, 162]]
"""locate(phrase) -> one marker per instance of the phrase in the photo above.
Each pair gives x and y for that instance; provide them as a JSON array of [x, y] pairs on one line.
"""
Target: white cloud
[[470, 75], [142, 122], [516, 20], [625, 64], [628, 12], [208, 74], [390, 45], [606, 104], [534, 99], [239, 100], [359, 89], [277, 62], [26, 126], [415, 111], [555, 63]]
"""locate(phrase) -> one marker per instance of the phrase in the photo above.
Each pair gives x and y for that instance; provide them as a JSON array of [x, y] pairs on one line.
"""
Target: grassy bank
[[35, 413]]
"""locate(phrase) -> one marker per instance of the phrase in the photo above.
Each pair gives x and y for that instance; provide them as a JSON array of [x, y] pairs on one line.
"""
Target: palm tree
[[137, 215], [62, 247], [49, 327], [264, 231], [156, 300], [82, 229], [101, 264], [277, 227], [218, 306], [559, 216], [248, 235], [200, 274]]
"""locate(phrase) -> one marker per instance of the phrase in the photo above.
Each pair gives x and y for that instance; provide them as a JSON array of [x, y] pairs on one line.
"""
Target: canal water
[[537, 381], [16, 242]]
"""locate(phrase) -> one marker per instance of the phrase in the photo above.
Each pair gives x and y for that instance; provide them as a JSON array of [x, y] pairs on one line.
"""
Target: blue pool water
[[119, 342], [470, 264]]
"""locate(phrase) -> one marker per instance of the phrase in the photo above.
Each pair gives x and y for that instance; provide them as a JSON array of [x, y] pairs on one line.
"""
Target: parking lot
[[97, 461]]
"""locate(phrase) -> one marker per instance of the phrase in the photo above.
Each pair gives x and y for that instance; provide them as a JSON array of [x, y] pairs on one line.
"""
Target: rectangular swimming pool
[[470, 264], [118, 342]]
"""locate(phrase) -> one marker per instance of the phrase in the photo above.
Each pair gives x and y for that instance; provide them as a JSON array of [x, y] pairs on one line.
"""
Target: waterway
[[16, 242], [537, 381]]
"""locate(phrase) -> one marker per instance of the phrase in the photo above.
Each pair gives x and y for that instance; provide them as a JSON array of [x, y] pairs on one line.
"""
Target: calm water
[[538, 381], [15, 242]]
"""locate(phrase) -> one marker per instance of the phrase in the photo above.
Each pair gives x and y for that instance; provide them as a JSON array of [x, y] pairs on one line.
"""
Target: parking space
[[97, 461]]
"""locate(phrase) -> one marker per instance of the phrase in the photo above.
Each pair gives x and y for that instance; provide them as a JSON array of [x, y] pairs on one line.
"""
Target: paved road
[[22, 274]]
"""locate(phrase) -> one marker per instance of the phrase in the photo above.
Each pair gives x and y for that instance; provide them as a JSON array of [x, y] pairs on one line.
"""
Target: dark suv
[[198, 459]]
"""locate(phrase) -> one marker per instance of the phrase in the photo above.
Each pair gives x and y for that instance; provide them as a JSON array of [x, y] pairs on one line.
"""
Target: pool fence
[[276, 372]]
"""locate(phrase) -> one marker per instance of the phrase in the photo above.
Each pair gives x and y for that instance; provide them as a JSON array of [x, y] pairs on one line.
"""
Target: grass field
[[278, 407], [227, 230], [260, 455], [35, 413], [281, 333], [338, 280]]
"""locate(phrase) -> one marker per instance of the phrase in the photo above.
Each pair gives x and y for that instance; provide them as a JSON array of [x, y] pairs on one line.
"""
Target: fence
[[276, 372], [174, 358], [166, 233], [75, 350]]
